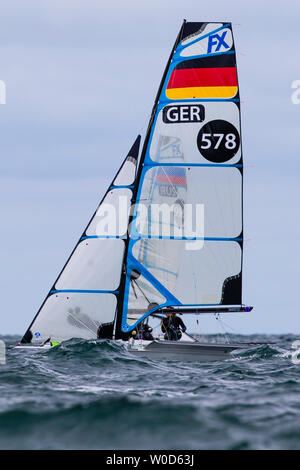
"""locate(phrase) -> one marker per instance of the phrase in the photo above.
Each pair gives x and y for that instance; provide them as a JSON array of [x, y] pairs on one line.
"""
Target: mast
[[118, 333]]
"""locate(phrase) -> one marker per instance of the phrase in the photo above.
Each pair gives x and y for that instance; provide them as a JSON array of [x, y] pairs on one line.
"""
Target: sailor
[[144, 331], [147, 332], [172, 326]]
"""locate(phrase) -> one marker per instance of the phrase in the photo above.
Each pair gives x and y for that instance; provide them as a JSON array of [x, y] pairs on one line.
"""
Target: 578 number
[[218, 141], [206, 141]]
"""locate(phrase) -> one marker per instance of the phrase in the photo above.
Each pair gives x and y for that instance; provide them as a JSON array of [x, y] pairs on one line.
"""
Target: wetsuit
[[172, 328], [144, 332]]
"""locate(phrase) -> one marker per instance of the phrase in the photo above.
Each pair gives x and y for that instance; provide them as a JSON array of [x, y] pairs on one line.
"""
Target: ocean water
[[95, 395]]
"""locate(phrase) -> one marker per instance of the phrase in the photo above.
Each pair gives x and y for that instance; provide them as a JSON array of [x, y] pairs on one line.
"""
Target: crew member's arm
[[183, 327]]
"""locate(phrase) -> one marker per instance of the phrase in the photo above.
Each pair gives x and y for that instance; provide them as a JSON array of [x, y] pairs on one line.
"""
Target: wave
[[96, 395], [99, 424]]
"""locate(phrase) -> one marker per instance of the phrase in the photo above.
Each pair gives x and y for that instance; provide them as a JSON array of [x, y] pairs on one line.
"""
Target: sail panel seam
[[215, 165]]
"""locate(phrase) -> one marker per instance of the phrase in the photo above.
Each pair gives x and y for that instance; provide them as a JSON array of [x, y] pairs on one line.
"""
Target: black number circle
[[218, 141]]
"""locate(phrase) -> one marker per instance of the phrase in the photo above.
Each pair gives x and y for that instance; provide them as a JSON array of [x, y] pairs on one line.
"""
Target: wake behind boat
[[167, 236]]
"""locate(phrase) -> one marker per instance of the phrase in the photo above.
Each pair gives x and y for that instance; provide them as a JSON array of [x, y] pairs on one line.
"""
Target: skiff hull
[[186, 351], [33, 346], [183, 351]]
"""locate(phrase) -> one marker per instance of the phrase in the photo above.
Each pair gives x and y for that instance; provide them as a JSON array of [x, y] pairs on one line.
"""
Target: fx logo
[[296, 354], [217, 43]]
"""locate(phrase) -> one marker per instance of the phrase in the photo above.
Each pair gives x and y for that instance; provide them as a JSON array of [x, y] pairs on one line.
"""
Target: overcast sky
[[81, 78]]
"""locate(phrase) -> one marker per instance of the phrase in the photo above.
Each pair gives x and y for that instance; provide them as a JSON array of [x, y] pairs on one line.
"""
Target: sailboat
[[167, 236]]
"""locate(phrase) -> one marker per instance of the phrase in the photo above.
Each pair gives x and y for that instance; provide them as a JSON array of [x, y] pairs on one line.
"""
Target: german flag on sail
[[207, 77], [173, 175]]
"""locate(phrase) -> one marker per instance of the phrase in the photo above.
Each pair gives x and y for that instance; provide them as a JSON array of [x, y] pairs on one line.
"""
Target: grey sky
[[81, 78]]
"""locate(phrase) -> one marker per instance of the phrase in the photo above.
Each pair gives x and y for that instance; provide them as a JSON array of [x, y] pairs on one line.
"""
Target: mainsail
[[191, 158], [158, 256]]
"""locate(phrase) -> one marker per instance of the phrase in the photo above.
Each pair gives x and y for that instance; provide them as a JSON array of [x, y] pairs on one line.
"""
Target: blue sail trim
[[137, 236], [121, 187], [114, 237], [126, 328], [178, 58], [216, 165], [133, 263]]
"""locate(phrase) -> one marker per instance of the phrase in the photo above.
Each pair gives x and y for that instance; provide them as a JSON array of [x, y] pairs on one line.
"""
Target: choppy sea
[[95, 395]]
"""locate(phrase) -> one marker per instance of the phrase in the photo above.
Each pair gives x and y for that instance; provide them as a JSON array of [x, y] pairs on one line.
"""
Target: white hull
[[31, 346], [183, 350], [186, 350]]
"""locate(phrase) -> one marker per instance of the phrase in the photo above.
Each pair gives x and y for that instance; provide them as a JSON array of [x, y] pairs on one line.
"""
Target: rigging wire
[[141, 290], [222, 330], [133, 288], [143, 127], [201, 334], [80, 321], [230, 327]]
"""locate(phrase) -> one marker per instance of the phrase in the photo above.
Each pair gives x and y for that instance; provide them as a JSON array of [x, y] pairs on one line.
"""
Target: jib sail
[[82, 302]]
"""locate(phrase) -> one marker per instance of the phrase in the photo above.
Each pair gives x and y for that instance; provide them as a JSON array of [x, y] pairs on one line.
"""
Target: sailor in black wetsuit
[[146, 332], [143, 331], [172, 326]]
